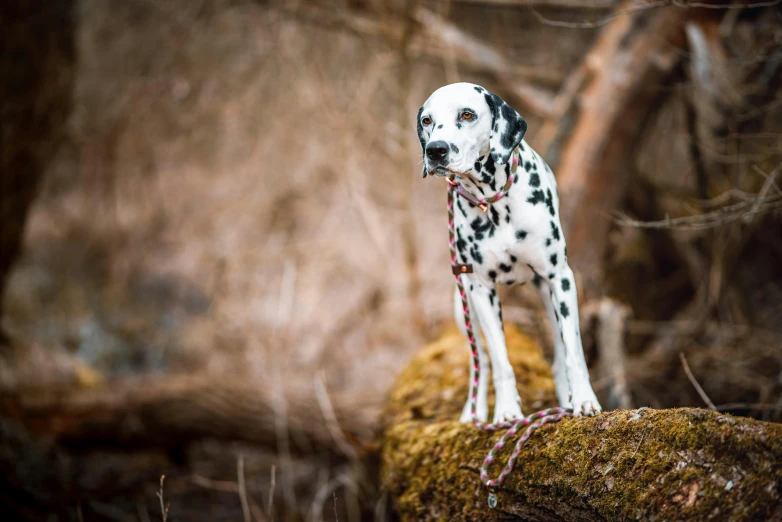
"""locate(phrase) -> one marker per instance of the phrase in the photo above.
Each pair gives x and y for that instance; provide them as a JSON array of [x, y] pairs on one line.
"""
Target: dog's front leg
[[565, 301], [487, 306], [480, 394]]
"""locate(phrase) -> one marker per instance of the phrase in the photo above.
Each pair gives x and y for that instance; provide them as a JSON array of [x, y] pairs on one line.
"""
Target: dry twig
[[163, 505], [695, 383]]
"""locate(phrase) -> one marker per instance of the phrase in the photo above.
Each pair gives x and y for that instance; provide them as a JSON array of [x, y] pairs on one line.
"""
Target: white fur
[[520, 244]]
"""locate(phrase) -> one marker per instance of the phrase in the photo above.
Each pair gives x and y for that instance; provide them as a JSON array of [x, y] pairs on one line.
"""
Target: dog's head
[[461, 122]]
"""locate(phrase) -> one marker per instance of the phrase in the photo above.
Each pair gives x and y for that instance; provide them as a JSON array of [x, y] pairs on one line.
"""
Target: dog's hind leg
[[559, 368], [563, 297], [482, 408], [487, 305]]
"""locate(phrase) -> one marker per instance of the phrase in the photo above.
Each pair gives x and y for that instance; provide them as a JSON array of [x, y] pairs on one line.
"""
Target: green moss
[[669, 465]]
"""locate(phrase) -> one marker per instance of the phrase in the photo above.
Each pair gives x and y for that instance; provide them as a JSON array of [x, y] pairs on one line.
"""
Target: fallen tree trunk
[[173, 411], [680, 464]]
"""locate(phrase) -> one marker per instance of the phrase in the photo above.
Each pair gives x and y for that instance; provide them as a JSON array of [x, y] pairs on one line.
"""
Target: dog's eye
[[467, 115], [426, 121]]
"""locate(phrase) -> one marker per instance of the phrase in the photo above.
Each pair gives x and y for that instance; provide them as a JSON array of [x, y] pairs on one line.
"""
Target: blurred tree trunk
[[36, 77], [631, 55]]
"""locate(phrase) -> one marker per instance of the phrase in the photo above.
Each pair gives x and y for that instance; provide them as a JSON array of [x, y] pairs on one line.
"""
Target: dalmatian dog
[[472, 134]]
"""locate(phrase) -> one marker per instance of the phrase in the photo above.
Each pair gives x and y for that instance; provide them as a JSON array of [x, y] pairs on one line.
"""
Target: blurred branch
[[744, 211], [561, 4], [645, 6], [435, 38], [438, 33]]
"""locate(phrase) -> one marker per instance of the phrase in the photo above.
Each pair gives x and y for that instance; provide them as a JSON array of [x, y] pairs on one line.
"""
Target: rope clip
[[492, 500]]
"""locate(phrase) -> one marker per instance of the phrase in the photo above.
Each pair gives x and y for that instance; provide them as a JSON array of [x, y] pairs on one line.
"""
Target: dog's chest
[[498, 244]]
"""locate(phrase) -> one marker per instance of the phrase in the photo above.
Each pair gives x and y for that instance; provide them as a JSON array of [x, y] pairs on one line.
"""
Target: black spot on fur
[[491, 299], [458, 125], [510, 282], [492, 275], [550, 202], [551, 276], [507, 214], [495, 216], [480, 158], [537, 280], [553, 259], [461, 245], [476, 254], [490, 166], [513, 258], [536, 197], [440, 126], [564, 310], [454, 148], [534, 180], [470, 239], [548, 241], [521, 234], [480, 227], [479, 89], [521, 147], [477, 166], [528, 167], [505, 268], [554, 231], [460, 207], [565, 284]]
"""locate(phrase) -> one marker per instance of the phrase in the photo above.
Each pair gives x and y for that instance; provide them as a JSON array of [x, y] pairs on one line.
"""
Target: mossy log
[[681, 464]]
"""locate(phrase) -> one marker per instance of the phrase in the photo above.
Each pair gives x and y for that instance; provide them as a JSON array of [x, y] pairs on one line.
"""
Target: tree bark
[[36, 77], [680, 464]]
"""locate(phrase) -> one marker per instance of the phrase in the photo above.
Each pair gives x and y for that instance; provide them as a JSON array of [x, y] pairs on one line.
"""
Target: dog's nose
[[437, 150]]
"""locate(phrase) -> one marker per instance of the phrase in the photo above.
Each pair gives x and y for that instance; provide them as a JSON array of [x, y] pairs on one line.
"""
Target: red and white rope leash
[[531, 422]]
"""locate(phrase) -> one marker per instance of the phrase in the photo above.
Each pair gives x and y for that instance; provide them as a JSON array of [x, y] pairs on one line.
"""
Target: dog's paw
[[507, 415], [586, 408], [507, 411], [482, 412]]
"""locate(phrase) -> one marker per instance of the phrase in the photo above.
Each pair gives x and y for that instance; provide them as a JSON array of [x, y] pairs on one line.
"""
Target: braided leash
[[531, 422]]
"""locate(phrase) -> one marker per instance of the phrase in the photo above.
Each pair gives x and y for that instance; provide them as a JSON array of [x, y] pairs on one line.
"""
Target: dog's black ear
[[421, 138], [507, 130]]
